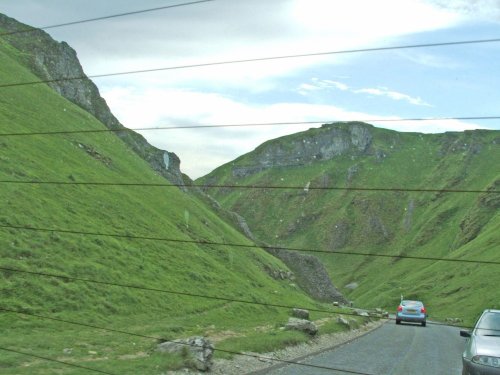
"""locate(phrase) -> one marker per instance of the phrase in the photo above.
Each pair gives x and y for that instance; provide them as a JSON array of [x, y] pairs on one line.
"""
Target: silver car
[[482, 350], [411, 311]]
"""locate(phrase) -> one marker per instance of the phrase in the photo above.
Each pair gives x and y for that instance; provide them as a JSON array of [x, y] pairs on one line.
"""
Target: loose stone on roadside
[[343, 321], [302, 325], [199, 348], [248, 364], [300, 313]]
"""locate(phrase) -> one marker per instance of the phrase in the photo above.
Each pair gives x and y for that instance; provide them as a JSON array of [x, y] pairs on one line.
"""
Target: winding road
[[392, 349]]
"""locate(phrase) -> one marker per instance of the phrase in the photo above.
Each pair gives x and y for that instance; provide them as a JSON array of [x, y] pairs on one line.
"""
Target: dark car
[[482, 350], [411, 311]]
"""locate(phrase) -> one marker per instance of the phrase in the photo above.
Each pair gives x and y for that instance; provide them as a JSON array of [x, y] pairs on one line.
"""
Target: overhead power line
[[282, 123], [248, 246], [254, 187], [31, 29], [256, 59], [181, 343], [57, 361]]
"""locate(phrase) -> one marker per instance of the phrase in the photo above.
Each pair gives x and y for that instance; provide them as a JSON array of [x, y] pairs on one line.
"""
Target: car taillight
[[400, 308], [422, 310]]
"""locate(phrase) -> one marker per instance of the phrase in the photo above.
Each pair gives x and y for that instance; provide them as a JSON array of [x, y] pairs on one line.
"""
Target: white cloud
[[318, 85], [433, 60], [337, 85], [327, 83], [479, 10], [195, 34], [349, 21], [306, 88], [383, 91]]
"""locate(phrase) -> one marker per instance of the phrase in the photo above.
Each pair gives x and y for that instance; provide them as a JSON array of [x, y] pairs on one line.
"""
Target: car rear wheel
[[398, 321], [424, 324]]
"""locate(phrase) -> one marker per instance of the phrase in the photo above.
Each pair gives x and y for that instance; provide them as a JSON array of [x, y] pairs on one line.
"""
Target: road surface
[[390, 350]]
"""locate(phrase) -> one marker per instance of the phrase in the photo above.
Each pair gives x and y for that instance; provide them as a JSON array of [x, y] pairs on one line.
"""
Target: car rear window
[[489, 325]]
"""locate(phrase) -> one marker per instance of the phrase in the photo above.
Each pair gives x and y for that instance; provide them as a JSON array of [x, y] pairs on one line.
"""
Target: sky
[[414, 83]]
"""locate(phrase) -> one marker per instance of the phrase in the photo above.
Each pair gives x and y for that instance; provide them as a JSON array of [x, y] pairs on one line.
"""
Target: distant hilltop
[[307, 147], [352, 139]]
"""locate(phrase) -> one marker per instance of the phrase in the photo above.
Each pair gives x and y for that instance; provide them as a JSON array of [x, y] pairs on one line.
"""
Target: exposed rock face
[[310, 274], [279, 274], [237, 220], [325, 144], [58, 63]]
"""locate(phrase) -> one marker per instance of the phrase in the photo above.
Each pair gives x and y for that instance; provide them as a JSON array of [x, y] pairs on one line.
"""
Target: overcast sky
[[451, 81]]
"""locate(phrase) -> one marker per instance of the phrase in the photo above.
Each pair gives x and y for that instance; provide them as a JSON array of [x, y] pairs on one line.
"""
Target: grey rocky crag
[[323, 144], [57, 64]]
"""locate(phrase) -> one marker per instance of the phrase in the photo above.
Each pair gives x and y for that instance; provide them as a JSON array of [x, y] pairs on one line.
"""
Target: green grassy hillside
[[165, 212], [414, 223]]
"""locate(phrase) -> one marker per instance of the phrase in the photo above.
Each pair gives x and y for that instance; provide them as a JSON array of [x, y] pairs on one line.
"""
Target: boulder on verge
[[360, 312], [343, 321], [300, 313], [302, 325], [199, 348]]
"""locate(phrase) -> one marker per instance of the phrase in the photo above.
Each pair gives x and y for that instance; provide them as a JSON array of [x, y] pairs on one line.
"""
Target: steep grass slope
[[50, 61], [349, 156], [163, 212]]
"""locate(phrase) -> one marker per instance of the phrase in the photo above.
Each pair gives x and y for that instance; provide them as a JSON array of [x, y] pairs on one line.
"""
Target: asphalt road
[[391, 350]]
